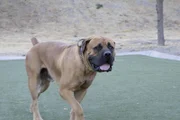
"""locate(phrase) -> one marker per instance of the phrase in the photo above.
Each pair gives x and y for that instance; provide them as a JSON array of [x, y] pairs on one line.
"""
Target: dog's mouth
[[102, 68]]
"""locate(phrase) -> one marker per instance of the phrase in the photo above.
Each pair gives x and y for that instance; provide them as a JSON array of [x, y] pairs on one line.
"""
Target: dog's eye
[[110, 46], [98, 47]]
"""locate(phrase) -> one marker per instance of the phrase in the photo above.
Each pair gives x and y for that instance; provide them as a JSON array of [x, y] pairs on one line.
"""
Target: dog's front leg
[[79, 95], [75, 105]]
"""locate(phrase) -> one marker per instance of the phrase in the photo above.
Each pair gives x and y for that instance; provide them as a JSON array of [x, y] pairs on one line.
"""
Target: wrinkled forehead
[[101, 40]]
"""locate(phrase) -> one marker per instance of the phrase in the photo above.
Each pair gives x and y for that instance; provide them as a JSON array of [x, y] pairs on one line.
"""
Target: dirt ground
[[132, 24]]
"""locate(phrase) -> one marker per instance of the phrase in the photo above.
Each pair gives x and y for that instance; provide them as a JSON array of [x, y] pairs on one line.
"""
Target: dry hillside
[[131, 23]]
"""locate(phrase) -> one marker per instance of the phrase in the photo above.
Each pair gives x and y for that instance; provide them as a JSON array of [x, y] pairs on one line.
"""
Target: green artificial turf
[[138, 88]]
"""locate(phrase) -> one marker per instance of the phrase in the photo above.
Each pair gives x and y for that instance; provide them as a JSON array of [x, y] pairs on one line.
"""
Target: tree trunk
[[160, 28]]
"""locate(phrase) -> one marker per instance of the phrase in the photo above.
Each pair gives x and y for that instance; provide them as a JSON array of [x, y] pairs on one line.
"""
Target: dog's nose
[[107, 54]]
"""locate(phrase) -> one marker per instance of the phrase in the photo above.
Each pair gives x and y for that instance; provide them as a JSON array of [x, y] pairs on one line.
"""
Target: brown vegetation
[[132, 23]]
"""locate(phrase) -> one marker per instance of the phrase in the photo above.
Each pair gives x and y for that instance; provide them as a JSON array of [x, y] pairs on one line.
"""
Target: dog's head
[[99, 52]]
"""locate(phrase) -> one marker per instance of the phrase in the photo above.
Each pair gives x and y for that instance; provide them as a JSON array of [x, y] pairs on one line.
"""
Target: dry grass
[[132, 24]]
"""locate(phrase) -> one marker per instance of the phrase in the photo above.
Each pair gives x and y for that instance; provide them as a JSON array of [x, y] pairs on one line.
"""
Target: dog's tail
[[34, 41]]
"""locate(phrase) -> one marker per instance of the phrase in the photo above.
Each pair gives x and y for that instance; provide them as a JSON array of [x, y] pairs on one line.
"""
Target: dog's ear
[[82, 43]]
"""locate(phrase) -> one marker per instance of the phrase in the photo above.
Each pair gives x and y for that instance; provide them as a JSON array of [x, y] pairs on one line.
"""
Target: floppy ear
[[82, 43]]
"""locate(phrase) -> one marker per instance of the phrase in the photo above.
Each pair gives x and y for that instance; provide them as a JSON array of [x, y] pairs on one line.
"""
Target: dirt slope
[[132, 23]]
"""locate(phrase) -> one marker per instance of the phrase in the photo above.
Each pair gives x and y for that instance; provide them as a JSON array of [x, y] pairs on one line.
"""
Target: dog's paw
[[37, 118]]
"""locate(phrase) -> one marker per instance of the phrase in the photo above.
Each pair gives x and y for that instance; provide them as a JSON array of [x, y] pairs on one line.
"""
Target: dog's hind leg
[[33, 70], [34, 90], [45, 79], [43, 86]]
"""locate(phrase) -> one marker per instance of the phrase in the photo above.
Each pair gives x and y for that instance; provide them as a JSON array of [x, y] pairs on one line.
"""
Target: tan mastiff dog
[[73, 67]]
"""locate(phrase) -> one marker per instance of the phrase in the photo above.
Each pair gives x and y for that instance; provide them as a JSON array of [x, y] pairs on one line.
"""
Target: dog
[[73, 67]]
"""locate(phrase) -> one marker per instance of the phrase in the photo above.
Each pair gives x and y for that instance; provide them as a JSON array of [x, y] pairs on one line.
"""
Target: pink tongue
[[105, 67]]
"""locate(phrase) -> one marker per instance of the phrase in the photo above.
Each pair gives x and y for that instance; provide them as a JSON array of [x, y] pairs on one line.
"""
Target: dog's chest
[[85, 82]]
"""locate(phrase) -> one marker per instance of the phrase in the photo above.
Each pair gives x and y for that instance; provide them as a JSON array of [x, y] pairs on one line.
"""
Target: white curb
[[145, 53], [12, 57], [154, 54]]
